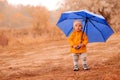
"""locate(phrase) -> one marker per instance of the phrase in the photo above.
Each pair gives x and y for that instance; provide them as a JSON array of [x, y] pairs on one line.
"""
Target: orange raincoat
[[75, 39]]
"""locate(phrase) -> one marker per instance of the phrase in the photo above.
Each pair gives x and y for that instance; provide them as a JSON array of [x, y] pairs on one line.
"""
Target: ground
[[51, 60]]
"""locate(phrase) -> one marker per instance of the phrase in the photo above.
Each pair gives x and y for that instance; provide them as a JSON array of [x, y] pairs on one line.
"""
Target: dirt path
[[52, 61]]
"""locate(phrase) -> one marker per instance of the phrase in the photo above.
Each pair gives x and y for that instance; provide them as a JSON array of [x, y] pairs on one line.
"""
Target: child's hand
[[81, 45], [75, 46]]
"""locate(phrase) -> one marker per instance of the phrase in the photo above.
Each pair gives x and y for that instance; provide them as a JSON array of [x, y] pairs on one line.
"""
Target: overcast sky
[[50, 4]]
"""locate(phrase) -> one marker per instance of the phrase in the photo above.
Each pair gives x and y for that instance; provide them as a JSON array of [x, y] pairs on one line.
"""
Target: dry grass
[[10, 37]]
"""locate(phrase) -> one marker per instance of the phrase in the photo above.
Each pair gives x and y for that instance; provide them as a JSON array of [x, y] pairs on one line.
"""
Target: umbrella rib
[[70, 18], [97, 29], [99, 22], [74, 18], [79, 15], [103, 24], [83, 29]]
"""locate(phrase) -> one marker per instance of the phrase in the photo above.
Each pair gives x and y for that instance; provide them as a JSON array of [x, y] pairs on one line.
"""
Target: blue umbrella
[[95, 26]]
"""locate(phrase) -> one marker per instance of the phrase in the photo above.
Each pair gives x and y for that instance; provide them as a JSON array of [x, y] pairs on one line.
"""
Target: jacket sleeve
[[70, 39], [85, 39]]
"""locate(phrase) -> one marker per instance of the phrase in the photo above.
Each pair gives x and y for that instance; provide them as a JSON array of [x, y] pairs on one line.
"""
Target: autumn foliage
[[26, 24], [110, 9], [29, 24]]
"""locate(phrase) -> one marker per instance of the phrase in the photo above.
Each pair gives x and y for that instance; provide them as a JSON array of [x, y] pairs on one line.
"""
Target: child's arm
[[70, 39], [85, 39]]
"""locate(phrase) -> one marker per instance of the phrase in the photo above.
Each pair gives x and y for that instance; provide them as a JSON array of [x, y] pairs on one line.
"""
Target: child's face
[[77, 26]]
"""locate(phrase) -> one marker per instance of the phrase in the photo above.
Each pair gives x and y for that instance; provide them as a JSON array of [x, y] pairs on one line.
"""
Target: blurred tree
[[19, 20], [40, 17], [2, 19], [109, 9]]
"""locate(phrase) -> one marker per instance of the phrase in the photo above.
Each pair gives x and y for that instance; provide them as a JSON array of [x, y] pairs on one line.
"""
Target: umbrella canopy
[[95, 26]]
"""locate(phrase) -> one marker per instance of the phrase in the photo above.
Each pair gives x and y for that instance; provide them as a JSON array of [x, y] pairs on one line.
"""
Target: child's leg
[[75, 60], [84, 58], [84, 61]]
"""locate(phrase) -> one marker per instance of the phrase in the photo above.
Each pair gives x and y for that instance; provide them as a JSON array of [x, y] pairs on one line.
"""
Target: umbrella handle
[[84, 29]]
